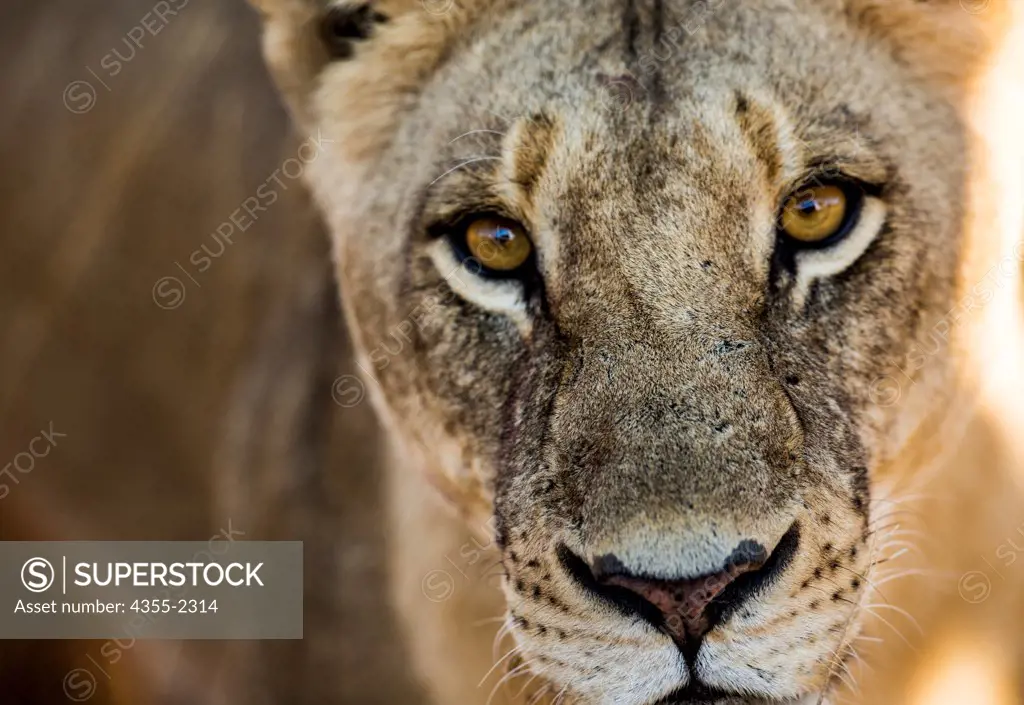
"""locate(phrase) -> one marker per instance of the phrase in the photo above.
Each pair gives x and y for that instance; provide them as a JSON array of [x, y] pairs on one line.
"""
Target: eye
[[821, 214], [495, 246]]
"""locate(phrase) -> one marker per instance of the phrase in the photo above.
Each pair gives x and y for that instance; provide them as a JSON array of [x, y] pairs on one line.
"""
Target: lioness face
[[631, 274]]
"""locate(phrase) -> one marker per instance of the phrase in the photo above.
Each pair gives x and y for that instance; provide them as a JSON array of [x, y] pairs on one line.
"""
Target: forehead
[[679, 58], [711, 93], [646, 105]]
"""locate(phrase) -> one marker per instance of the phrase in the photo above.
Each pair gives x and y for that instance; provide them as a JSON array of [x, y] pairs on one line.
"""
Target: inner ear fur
[[394, 61]]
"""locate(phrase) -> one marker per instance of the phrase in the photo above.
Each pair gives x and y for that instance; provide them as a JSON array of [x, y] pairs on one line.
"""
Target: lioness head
[[636, 276]]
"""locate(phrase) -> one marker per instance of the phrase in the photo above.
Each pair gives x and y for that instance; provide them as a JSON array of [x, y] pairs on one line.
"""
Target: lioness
[[709, 312]]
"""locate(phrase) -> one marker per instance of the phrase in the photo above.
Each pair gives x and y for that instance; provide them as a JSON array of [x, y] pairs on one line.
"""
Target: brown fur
[[674, 385]]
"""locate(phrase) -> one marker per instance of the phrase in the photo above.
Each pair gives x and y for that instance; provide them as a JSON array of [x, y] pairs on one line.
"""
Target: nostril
[[689, 608], [684, 603]]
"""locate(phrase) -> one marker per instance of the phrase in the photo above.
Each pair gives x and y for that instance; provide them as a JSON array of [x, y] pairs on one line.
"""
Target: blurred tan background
[[128, 136]]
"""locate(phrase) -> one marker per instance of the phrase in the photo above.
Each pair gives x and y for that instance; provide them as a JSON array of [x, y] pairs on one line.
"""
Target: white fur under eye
[[504, 297], [815, 264]]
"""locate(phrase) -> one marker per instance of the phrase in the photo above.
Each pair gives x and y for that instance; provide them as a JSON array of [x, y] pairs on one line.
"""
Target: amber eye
[[498, 245], [815, 215]]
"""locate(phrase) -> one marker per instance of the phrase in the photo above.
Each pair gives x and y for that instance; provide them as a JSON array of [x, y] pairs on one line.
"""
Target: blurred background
[[179, 353], [187, 390]]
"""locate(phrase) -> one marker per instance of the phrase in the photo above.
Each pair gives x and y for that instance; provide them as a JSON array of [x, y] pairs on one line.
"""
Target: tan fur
[[674, 388]]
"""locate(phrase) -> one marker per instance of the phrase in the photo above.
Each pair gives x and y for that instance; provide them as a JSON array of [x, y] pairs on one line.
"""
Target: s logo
[[37, 575]]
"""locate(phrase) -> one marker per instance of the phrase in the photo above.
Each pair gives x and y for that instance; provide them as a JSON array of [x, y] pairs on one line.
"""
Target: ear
[[946, 41], [291, 51], [390, 40]]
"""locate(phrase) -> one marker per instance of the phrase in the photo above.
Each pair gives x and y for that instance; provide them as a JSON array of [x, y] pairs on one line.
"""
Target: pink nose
[[684, 603]]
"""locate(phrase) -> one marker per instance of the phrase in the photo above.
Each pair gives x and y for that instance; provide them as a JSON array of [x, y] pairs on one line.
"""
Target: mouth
[[703, 695], [694, 688]]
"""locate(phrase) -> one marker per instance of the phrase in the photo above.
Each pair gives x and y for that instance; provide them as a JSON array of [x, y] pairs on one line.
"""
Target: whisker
[[540, 694], [905, 499], [505, 678], [866, 580], [889, 624], [477, 132], [491, 620], [465, 163], [891, 558], [892, 544], [846, 630], [915, 533], [522, 691], [513, 650], [846, 677], [917, 572], [831, 595], [500, 636], [898, 610], [861, 663], [500, 117]]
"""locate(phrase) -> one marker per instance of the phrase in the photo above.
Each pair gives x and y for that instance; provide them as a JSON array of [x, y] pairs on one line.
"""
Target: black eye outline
[[456, 235], [856, 192]]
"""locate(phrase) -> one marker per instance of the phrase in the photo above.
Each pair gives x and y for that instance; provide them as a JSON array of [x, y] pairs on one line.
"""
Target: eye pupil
[[498, 245], [815, 214], [809, 207]]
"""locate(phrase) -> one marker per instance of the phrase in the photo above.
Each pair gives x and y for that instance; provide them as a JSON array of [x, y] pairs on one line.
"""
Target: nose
[[691, 607]]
